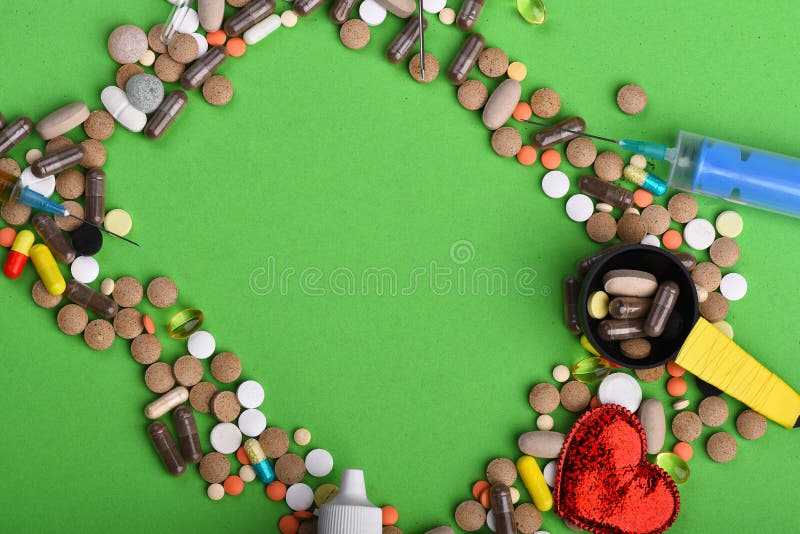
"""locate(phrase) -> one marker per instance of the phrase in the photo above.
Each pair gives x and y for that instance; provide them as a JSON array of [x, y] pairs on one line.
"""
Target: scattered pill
[[674, 369], [43, 298], [501, 471], [581, 152], [236, 47], [555, 184], [162, 293], [650, 375], [246, 473], [290, 469], [145, 92], [522, 111], [470, 515], [676, 386], [501, 104], [214, 467], [215, 492], [472, 95], [225, 407], [506, 142], [274, 441], [319, 463], [622, 389], [493, 62], [447, 16], [608, 166], [252, 422], [729, 224], [713, 411], [751, 424], [724, 252], [579, 207], [517, 71], [733, 286], [721, 447], [117, 104], [597, 305], [188, 372], [33, 155], [684, 450], [545, 103], [226, 367], [651, 415], [638, 161], [686, 426], [635, 349], [715, 307], [118, 221], [276, 490], [158, 377], [672, 239], [289, 18], [7, 236], [45, 186], [575, 396], [631, 228], [681, 404], [656, 218], [128, 325], [289, 524], [233, 485], [371, 12], [225, 438], [431, 68], [72, 319], [250, 394], [127, 292], [682, 208], [85, 269], [545, 422], [62, 120], [651, 240], [527, 155], [601, 227], [631, 99], [299, 497], [643, 199]]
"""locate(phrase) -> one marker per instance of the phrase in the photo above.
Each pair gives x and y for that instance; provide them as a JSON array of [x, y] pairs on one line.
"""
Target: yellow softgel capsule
[[47, 269], [533, 480]]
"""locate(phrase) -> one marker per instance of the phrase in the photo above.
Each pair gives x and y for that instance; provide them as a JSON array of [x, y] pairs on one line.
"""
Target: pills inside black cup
[[87, 240]]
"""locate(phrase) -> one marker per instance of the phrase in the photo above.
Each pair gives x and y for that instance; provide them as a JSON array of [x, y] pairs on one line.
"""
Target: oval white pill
[[299, 497], [44, 186], [555, 184], [699, 234], [187, 20], [579, 207], [262, 29], [549, 473], [85, 269], [433, 6], [117, 104], [319, 463], [201, 344], [622, 389], [225, 438], [252, 422], [371, 12], [651, 240], [250, 394], [603, 207], [733, 286]]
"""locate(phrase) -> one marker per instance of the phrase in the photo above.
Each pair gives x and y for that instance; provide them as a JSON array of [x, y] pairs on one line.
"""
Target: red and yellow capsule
[[47, 269], [18, 256]]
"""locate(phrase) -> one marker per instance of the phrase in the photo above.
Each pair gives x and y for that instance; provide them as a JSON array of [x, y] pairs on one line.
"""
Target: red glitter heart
[[604, 482]]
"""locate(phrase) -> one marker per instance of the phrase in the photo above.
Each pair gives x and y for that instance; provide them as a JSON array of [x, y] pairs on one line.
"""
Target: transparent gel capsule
[[184, 323], [532, 11], [674, 466], [592, 369]]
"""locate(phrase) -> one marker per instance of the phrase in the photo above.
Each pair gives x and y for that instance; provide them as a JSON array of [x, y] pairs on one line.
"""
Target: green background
[[331, 158]]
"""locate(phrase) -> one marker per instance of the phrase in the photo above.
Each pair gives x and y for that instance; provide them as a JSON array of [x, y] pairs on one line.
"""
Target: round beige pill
[[33, 155], [581, 152], [225, 406], [274, 441], [682, 207], [713, 411], [99, 334], [517, 71], [724, 252], [493, 62], [290, 469], [215, 467], [167, 69], [575, 396], [354, 34], [721, 447], [707, 275], [216, 492], [751, 424], [57, 144], [70, 184], [128, 292], [67, 223], [601, 227], [470, 516], [43, 298], [506, 142], [631, 99], [431, 68], [715, 307], [158, 377], [656, 219], [118, 221], [687, 426], [95, 154], [218, 90], [635, 349], [72, 319], [650, 375], [10, 166], [544, 398], [14, 213], [631, 228], [302, 436], [226, 367], [472, 95], [154, 39], [145, 349], [545, 103], [501, 471], [183, 48], [447, 16], [729, 224], [201, 394], [127, 43], [147, 59], [528, 518], [128, 323], [162, 292], [107, 286], [188, 371], [100, 125], [125, 73], [608, 166]]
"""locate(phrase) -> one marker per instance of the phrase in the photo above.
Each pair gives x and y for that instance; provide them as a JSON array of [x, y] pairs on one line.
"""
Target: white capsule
[[166, 402], [116, 103], [262, 29]]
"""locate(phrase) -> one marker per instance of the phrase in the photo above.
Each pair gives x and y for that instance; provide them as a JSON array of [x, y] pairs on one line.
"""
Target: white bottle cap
[[350, 512]]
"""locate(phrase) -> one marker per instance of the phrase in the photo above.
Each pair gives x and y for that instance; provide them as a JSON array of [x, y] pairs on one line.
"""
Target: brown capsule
[[2, 121], [585, 264], [166, 448], [629, 307], [58, 161], [52, 236], [503, 510], [402, 45], [304, 8], [619, 329], [165, 115], [606, 191], [572, 287], [340, 10], [687, 259], [186, 430], [663, 303], [561, 132], [86, 297], [202, 69], [465, 61], [249, 16], [14, 133], [469, 13], [95, 193]]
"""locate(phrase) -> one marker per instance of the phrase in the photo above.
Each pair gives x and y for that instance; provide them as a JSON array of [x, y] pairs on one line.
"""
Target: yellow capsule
[[534, 482], [23, 242], [47, 269], [254, 452], [588, 346]]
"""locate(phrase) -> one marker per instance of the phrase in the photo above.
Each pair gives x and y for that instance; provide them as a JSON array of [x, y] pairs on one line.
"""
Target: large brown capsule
[[202, 69], [469, 13], [561, 132], [465, 60], [619, 329], [58, 161], [572, 287], [248, 16], [95, 193], [663, 303], [305, 7], [340, 10], [401, 46], [165, 115], [52, 236], [687, 259], [86, 297], [629, 307], [166, 448], [606, 191], [503, 510], [186, 430], [14, 133]]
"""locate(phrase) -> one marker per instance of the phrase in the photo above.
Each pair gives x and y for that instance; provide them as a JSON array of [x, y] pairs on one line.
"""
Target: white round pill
[[549, 473], [490, 521], [201, 344], [699, 234], [33, 155], [651, 240], [225, 438], [247, 473], [299, 497], [555, 184], [85, 269], [371, 12], [202, 44], [44, 186], [447, 16], [250, 394], [622, 389], [252, 422], [433, 6], [638, 161], [187, 20], [319, 463], [733, 286], [215, 492], [580, 207], [289, 18], [544, 422], [561, 373], [729, 224]]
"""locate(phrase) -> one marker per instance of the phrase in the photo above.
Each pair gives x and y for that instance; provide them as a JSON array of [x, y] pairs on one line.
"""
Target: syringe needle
[[421, 43], [109, 232]]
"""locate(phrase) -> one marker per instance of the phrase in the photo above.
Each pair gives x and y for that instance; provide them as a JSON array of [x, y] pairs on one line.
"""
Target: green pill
[[592, 369], [532, 11], [674, 466], [184, 323]]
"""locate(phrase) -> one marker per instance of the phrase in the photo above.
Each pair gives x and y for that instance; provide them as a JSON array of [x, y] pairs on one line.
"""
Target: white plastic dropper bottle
[[350, 512]]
